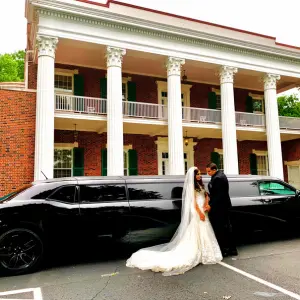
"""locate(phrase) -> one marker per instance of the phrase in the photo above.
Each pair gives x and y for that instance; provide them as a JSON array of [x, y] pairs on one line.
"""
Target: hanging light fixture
[[186, 140], [75, 137], [184, 77]]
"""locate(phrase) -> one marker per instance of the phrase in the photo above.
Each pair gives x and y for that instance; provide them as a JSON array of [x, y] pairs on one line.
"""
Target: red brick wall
[[17, 134], [204, 148], [32, 75], [93, 143]]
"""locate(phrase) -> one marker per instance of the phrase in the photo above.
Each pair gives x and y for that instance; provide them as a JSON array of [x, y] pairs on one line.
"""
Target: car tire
[[21, 251]]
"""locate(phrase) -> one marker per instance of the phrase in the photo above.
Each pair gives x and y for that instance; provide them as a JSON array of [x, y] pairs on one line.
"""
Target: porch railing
[[98, 106], [289, 123], [249, 119], [201, 115]]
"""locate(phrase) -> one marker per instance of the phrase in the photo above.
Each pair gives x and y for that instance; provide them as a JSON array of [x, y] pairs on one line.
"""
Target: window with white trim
[[63, 162], [218, 103], [257, 103], [262, 164], [165, 162], [63, 82], [124, 90], [126, 162], [221, 158]]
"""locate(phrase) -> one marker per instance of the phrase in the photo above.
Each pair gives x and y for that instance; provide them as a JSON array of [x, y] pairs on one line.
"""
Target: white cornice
[[79, 13]]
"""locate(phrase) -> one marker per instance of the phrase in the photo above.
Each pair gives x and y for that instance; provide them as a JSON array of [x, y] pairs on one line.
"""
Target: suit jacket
[[218, 187]]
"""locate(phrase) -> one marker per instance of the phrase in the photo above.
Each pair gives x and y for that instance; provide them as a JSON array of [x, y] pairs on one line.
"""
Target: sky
[[270, 17]]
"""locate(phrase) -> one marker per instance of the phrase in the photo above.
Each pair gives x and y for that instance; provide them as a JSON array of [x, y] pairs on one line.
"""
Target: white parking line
[[269, 284], [37, 294]]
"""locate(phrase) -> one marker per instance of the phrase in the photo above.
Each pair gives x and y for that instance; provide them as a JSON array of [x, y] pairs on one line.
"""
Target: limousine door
[[248, 215], [281, 202], [104, 209], [155, 209]]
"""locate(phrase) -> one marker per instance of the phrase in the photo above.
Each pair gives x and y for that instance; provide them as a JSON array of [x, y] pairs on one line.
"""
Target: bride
[[193, 243]]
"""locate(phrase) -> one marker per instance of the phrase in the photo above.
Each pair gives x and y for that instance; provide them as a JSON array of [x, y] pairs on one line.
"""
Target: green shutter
[[131, 86], [104, 162], [133, 162], [253, 164], [79, 91], [249, 104], [78, 162], [212, 100], [215, 158], [103, 95]]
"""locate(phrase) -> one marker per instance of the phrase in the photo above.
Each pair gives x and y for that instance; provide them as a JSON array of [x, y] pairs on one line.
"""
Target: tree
[[12, 66], [289, 106]]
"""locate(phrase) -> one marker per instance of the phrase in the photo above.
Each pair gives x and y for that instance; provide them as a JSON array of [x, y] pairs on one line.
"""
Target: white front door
[[294, 176]]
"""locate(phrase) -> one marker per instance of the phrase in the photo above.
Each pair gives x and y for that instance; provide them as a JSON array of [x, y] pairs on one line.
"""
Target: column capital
[[173, 65], [46, 45], [226, 74], [114, 56], [270, 81]]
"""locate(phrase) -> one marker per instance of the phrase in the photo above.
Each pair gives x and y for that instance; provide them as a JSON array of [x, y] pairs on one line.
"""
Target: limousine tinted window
[[243, 189], [274, 188], [102, 193], [158, 190], [64, 194]]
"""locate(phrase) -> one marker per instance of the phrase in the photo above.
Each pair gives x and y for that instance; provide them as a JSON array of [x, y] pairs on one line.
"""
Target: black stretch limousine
[[135, 210]]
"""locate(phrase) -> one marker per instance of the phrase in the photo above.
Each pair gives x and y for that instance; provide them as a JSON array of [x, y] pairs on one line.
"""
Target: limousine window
[[274, 188], [163, 190], [102, 193], [64, 194], [243, 189]]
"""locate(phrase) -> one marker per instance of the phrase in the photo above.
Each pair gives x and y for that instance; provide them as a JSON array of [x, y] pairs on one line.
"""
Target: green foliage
[[289, 106], [12, 66]]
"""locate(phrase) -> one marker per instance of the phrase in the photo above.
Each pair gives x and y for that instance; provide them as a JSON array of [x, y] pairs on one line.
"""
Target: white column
[[272, 126], [44, 132], [115, 159], [230, 154], [175, 137]]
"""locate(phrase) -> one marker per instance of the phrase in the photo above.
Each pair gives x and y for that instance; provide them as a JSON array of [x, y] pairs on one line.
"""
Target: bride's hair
[[198, 183]]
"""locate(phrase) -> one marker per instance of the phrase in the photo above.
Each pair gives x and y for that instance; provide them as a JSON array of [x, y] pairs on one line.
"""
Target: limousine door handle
[[267, 200]]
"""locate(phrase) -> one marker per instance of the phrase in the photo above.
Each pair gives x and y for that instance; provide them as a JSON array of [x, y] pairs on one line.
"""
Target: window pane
[[243, 189], [155, 191], [102, 193], [58, 173], [64, 194], [274, 188], [63, 82], [262, 164]]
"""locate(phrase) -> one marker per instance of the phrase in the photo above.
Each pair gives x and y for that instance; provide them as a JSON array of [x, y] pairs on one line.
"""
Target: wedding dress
[[193, 243]]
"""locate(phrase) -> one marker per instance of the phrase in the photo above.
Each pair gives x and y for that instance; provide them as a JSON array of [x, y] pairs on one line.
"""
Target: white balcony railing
[[201, 115], [89, 105], [249, 119], [289, 123]]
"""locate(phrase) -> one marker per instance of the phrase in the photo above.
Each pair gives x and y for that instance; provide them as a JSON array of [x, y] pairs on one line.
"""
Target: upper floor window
[[63, 82]]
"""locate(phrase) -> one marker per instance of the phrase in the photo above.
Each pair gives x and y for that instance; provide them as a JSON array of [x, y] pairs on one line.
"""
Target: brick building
[[114, 89]]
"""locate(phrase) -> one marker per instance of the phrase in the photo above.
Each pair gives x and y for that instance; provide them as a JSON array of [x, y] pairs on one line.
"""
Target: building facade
[[115, 89]]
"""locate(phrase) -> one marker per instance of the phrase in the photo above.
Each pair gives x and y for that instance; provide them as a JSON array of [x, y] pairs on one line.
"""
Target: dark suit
[[219, 214]]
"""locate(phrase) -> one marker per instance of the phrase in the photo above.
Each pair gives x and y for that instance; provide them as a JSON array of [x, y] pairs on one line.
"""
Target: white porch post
[[115, 159], [272, 126], [230, 154], [44, 133], [175, 137]]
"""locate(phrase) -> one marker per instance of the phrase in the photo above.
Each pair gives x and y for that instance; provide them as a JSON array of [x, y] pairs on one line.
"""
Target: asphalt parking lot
[[269, 270]]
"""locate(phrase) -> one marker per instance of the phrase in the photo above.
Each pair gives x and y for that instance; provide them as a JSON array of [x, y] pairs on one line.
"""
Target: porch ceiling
[[135, 62]]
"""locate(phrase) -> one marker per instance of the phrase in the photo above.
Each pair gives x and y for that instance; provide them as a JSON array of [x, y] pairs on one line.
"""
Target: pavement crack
[[106, 284]]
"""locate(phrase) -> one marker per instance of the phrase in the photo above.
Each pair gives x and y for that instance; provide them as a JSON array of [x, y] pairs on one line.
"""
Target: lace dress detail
[[198, 245]]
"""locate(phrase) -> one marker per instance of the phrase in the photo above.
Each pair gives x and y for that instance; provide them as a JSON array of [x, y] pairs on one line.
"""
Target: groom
[[219, 210]]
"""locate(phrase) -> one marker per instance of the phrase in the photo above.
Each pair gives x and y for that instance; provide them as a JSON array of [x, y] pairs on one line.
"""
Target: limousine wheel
[[21, 251]]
